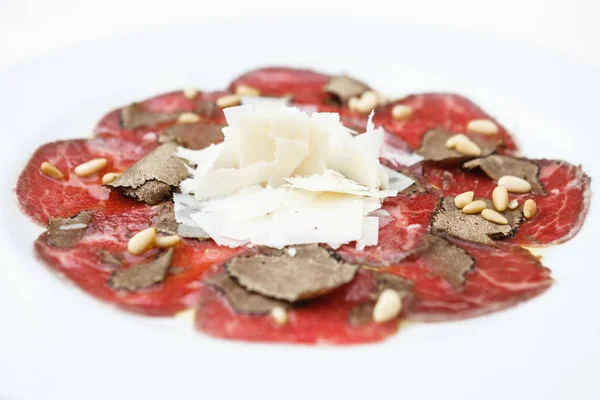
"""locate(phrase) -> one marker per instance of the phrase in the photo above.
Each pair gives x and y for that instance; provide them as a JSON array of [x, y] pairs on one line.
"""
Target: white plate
[[56, 342]]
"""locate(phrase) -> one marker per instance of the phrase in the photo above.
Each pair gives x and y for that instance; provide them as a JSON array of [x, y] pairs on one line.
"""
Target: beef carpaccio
[[434, 260]]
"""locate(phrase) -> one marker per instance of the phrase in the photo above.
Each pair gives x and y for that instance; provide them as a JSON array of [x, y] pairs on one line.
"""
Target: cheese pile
[[282, 177]]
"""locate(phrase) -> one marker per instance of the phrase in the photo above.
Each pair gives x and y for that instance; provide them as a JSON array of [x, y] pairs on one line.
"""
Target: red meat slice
[[561, 211], [42, 197], [110, 124], [502, 277], [430, 110], [399, 237], [110, 231], [324, 320], [304, 85]]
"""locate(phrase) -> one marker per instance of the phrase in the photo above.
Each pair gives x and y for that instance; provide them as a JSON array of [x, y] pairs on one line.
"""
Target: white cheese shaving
[[284, 178]]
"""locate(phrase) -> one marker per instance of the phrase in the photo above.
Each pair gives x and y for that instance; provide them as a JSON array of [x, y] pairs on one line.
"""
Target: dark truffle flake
[[433, 146], [473, 227], [152, 178], [142, 276], [195, 136], [341, 88], [312, 272], [164, 220], [241, 299], [133, 117], [496, 167], [447, 260], [67, 232]]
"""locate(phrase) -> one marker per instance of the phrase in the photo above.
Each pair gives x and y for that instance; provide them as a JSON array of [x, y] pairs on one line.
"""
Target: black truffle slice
[[472, 227], [341, 88], [433, 146], [241, 299], [498, 166], [133, 117], [152, 178], [164, 220], [67, 232], [142, 276], [312, 272], [447, 260], [195, 136]]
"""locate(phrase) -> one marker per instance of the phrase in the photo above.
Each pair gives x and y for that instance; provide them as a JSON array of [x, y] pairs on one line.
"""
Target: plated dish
[[317, 211]]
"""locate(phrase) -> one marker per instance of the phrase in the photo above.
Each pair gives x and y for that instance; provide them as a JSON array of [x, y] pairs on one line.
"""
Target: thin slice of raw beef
[[303, 85], [42, 197], [502, 276], [403, 234], [323, 320], [88, 264], [431, 110], [561, 211]]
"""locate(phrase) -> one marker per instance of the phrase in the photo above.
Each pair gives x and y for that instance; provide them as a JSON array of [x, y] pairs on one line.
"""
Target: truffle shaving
[[241, 299], [164, 220], [472, 227], [133, 117], [433, 146], [67, 232], [498, 166], [152, 178], [193, 136], [311, 273], [142, 276], [341, 88], [447, 260]]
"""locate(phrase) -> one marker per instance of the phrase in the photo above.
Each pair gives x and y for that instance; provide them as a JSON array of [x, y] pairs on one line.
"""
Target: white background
[[569, 27]]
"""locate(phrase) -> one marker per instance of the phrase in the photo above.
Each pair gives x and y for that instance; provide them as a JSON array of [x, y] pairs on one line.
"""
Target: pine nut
[[513, 204], [514, 184], [500, 198], [493, 216], [463, 199], [529, 208], [229, 100], [90, 167], [110, 177], [190, 93], [366, 103], [483, 126], [388, 306], [279, 315], [400, 111], [166, 241], [474, 207], [51, 171], [245, 90], [453, 141], [468, 148], [188, 118], [141, 241]]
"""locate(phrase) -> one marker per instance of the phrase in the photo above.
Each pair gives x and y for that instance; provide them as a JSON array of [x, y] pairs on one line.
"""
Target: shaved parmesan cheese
[[398, 156], [330, 181], [284, 178], [396, 180], [370, 235], [288, 156]]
